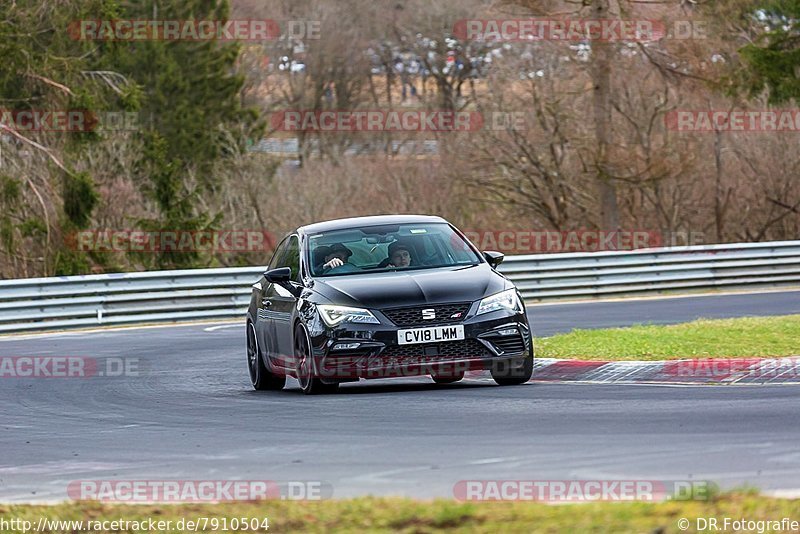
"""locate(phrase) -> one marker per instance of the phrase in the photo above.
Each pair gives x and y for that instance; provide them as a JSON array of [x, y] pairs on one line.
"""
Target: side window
[[291, 258], [279, 251]]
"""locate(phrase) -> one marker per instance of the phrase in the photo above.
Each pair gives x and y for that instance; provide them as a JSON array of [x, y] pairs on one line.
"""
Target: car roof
[[375, 220]]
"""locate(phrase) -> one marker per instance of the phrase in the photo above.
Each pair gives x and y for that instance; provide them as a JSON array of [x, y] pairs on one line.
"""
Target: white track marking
[[788, 289], [112, 329], [222, 327], [486, 461]]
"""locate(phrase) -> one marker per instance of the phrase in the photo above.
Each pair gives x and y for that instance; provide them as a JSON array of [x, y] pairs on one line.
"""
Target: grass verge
[[405, 515], [704, 338]]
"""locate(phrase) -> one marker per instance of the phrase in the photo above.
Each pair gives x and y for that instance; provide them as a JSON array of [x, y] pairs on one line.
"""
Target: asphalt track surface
[[190, 414]]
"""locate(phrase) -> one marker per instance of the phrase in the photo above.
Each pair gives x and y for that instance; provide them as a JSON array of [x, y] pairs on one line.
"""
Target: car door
[[265, 326], [281, 303]]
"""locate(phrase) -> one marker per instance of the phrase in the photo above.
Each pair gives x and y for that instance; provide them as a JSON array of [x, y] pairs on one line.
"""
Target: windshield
[[396, 247]]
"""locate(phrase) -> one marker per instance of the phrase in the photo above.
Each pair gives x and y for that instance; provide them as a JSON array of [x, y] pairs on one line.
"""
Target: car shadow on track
[[386, 387], [383, 386]]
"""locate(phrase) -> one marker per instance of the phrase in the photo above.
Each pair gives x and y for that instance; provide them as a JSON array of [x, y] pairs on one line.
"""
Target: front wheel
[[305, 370], [508, 375], [260, 376]]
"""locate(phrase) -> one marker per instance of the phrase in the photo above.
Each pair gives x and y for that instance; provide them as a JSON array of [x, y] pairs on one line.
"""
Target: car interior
[[428, 247]]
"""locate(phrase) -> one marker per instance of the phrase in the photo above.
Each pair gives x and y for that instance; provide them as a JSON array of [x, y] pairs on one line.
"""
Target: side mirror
[[281, 275], [494, 258]]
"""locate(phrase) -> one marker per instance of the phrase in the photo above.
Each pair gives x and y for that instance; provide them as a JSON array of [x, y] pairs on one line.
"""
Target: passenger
[[336, 257], [399, 254]]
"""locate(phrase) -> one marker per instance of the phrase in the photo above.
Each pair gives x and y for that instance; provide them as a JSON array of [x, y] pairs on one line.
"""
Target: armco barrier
[[166, 296]]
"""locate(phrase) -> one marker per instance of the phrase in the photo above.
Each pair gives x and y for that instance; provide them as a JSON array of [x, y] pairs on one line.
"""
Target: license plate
[[430, 334]]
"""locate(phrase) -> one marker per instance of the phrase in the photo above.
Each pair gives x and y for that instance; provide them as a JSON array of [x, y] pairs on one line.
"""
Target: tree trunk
[[601, 80], [719, 209]]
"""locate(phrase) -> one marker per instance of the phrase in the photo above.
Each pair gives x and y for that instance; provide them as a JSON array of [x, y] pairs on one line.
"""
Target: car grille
[[413, 316], [467, 349]]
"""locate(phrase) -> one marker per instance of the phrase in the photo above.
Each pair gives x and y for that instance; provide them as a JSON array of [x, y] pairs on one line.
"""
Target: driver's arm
[[335, 262]]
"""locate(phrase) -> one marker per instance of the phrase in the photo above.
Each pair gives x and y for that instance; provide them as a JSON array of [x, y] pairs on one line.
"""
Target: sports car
[[384, 296]]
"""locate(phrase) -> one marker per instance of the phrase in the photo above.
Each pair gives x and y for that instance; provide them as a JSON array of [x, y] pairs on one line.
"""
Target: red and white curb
[[689, 371]]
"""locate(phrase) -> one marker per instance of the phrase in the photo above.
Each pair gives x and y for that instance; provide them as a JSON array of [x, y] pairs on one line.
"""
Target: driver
[[399, 254], [336, 256]]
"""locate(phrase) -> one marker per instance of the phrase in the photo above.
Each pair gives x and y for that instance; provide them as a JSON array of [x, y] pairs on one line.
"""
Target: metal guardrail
[[167, 296]]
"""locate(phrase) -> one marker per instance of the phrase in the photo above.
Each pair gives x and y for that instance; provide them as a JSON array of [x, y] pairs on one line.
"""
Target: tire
[[447, 378], [306, 370], [505, 375], [260, 377]]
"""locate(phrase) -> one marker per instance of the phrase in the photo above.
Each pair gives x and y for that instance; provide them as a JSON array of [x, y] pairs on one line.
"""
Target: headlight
[[333, 315], [505, 300]]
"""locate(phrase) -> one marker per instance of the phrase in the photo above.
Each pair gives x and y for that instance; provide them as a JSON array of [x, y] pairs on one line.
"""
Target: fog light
[[346, 346], [508, 332]]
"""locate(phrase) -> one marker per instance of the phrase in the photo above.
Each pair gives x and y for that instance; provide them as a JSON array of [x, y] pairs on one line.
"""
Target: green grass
[[405, 515], [719, 338]]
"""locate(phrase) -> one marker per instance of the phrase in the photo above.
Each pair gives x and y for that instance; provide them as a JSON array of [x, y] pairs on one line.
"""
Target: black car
[[384, 296]]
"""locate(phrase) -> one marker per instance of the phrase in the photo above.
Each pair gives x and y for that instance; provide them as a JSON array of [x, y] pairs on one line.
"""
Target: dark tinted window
[[291, 256], [280, 250]]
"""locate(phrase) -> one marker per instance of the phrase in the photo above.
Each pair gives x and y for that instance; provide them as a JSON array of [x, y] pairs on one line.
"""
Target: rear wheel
[[260, 376], [305, 369], [509, 375]]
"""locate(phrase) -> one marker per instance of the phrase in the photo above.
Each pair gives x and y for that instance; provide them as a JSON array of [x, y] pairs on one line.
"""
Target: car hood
[[393, 289]]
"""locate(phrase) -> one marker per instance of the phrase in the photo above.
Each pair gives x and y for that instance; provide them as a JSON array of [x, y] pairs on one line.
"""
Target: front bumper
[[352, 351]]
